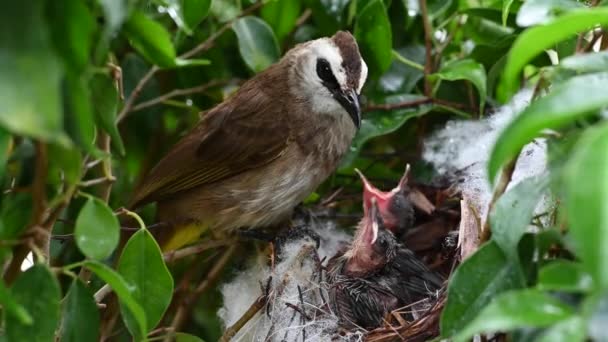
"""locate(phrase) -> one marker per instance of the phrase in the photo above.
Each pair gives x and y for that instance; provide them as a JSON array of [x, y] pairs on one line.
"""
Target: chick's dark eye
[[325, 74]]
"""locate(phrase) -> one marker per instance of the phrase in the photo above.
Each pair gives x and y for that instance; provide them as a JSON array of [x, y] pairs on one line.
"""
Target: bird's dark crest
[[351, 59]]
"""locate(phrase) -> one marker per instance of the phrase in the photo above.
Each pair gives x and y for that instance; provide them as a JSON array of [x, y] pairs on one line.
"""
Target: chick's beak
[[350, 101], [370, 232]]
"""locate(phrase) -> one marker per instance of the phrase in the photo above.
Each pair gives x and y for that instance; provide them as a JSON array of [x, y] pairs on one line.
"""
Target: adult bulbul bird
[[255, 156], [376, 275]]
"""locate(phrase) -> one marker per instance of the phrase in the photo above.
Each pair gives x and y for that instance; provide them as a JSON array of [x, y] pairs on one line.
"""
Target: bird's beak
[[350, 101], [369, 233]]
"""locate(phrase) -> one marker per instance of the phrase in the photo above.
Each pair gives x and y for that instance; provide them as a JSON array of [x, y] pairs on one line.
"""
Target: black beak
[[350, 101]]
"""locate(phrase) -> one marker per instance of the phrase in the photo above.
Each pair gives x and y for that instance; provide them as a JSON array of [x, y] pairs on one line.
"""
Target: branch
[[503, 182], [175, 93], [399, 105], [247, 316], [183, 311], [428, 65], [38, 213]]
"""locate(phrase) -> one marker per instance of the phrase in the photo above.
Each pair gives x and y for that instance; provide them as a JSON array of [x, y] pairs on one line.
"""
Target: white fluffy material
[[463, 148], [298, 268]]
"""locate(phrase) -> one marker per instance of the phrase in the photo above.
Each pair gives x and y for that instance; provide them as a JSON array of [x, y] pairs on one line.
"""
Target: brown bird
[[254, 157], [376, 275]]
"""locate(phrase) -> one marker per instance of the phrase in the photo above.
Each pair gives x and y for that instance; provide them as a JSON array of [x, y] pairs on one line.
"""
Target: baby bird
[[376, 275], [395, 207]]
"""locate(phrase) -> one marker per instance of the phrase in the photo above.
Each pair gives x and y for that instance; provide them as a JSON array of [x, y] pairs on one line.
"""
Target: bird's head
[[373, 247], [328, 73], [394, 206]]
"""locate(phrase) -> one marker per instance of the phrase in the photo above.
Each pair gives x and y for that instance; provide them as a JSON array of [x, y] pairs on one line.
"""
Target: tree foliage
[[92, 93]]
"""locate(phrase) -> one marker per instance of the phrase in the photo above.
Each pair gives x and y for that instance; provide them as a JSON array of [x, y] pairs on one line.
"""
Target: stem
[[428, 45], [183, 311], [175, 93], [407, 61], [247, 316]]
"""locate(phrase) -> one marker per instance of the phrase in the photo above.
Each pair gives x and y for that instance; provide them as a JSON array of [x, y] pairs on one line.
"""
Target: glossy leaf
[[568, 101], [475, 283], [14, 215], [534, 12], [588, 62], [12, 308], [38, 292], [537, 39], [513, 212], [122, 290], [381, 122], [150, 39], [143, 268], [105, 97], [194, 11], [66, 165], [30, 83], [71, 26], [373, 34], [257, 44], [5, 145], [517, 309], [587, 201], [97, 229], [570, 330], [182, 337], [563, 275], [80, 315], [506, 6], [80, 120], [281, 15], [466, 69]]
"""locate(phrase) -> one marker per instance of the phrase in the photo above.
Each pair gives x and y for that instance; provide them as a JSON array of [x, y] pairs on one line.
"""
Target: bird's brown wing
[[245, 132]]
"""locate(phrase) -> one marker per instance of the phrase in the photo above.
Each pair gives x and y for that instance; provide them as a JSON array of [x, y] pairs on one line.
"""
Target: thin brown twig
[[205, 45], [247, 316], [38, 212], [183, 311], [399, 105], [503, 182], [428, 45], [176, 92]]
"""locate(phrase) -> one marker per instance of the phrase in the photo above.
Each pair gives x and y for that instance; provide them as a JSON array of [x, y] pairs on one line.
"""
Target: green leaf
[[66, 164], [191, 62], [568, 101], [71, 26], [122, 290], [587, 201], [257, 43], [30, 99], [14, 215], [586, 63], [5, 145], [194, 11], [374, 36], [466, 69], [281, 15], [97, 229], [80, 122], [105, 97], [80, 315], [142, 266], [564, 275], [12, 308], [513, 212], [534, 12], [150, 39], [183, 337], [506, 6], [536, 40], [475, 283], [383, 122], [572, 329], [517, 309], [38, 292]]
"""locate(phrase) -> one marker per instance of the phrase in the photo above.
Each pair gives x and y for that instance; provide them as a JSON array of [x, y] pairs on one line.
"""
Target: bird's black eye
[[325, 74]]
